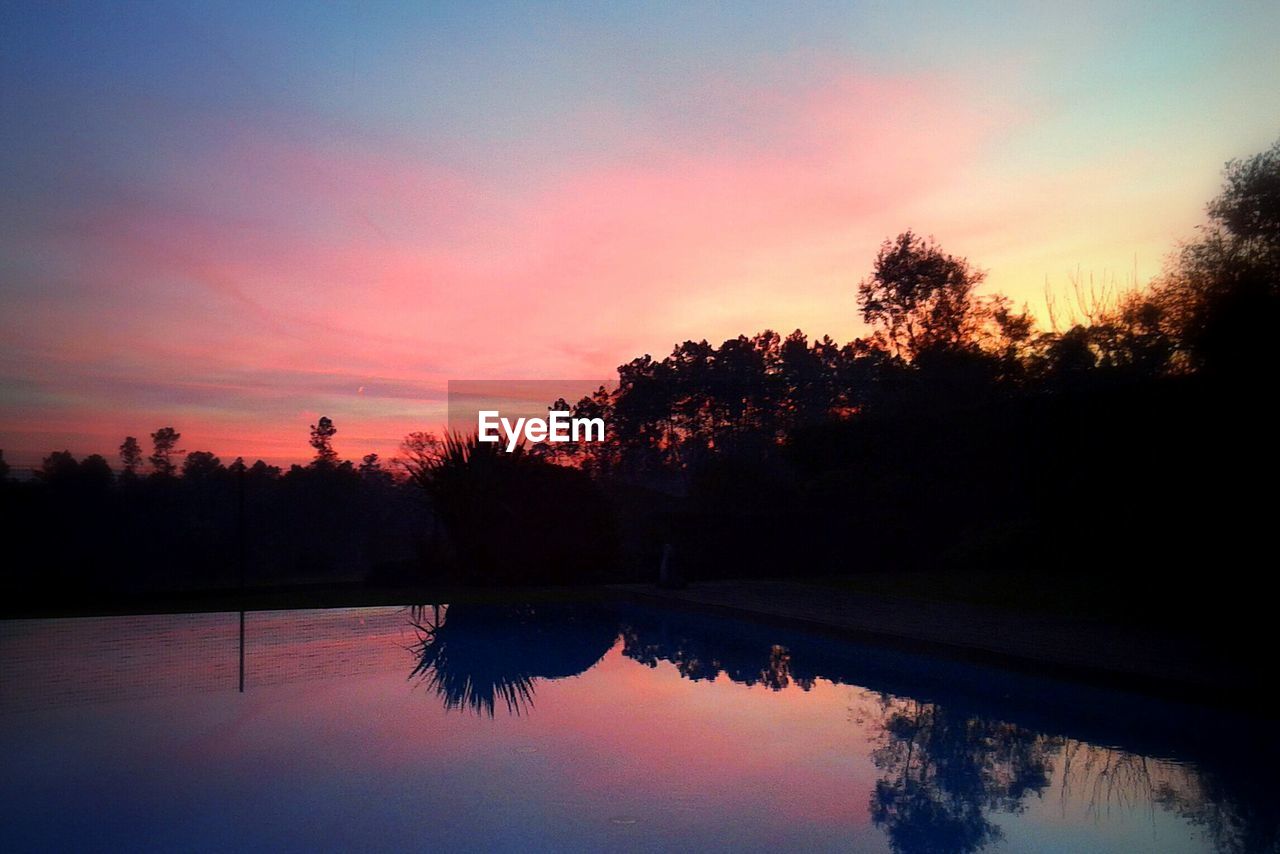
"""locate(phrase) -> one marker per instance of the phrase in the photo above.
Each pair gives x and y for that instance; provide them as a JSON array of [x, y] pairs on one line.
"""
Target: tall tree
[[164, 443], [920, 298], [1249, 204], [1224, 290], [130, 456], [322, 434]]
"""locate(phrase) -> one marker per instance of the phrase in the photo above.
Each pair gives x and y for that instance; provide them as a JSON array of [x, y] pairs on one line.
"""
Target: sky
[[234, 218]]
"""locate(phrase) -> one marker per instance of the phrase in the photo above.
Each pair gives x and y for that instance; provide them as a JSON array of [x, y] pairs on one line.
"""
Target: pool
[[588, 727]]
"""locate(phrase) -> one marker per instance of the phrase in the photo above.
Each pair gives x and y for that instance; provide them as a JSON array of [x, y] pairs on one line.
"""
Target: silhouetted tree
[[261, 471], [130, 456], [918, 297], [95, 472], [1249, 205], [420, 452], [322, 434], [1223, 293], [201, 464], [164, 443], [373, 473], [59, 467], [4, 467]]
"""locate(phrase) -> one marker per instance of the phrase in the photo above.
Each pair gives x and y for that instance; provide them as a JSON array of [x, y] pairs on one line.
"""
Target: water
[[587, 728]]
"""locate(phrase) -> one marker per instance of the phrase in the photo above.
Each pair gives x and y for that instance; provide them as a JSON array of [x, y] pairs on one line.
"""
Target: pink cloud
[[293, 274]]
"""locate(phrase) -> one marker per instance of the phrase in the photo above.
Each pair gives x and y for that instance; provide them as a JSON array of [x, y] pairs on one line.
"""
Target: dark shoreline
[[291, 598], [1177, 667]]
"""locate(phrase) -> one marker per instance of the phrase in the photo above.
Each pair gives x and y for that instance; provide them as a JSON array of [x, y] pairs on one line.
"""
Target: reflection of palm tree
[[477, 655]]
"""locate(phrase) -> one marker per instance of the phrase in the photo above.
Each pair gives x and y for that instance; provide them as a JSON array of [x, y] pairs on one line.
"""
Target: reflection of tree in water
[[474, 655], [704, 656], [944, 773], [1236, 809], [1236, 818], [950, 763], [1104, 777]]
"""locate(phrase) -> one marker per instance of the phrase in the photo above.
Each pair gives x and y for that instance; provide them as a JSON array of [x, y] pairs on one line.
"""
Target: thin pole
[[240, 537], [240, 532]]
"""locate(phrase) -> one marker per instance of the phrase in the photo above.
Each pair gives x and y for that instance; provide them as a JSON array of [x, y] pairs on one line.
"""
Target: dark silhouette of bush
[[513, 518]]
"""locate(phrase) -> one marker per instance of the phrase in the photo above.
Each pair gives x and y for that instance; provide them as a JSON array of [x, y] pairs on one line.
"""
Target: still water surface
[[587, 728]]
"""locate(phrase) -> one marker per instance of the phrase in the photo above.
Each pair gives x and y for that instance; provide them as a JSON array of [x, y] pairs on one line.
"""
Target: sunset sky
[[233, 218]]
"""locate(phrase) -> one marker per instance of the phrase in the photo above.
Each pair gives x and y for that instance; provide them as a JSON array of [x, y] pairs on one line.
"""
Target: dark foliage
[[956, 748], [513, 518], [79, 531], [1124, 448]]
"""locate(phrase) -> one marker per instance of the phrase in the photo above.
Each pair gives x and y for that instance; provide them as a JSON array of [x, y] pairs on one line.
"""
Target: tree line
[[79, 530], [937, 344], [955, 434], [1122, 442]]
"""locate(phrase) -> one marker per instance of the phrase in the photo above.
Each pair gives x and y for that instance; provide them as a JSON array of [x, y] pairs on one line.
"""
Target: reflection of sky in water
[[131, 730]]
